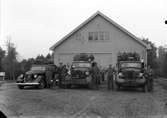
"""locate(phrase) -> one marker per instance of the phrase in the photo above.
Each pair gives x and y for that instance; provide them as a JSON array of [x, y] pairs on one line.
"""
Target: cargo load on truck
[[131, 72]]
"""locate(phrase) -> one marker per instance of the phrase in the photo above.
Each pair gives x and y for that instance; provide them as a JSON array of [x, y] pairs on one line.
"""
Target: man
[[150, 78], [95, 75], [59, 70], [49, 76], [110, 81]]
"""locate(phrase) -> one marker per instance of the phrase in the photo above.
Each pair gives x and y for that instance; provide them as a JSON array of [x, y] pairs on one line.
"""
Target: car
[[36, 76], [131, 74], [80, 73]]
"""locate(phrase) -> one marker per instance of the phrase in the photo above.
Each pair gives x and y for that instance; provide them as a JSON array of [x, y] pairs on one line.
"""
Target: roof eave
[[108, 19]]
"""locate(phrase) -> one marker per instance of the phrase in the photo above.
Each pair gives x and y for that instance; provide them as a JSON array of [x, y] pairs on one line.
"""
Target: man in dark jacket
[[95, 75], [150, 78], [49, 76], [59, 71], [110, 81]]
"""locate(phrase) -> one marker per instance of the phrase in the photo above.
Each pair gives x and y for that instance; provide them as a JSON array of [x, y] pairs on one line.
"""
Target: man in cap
[[95, 75], [110, 81], [59, 70], [49, 76]]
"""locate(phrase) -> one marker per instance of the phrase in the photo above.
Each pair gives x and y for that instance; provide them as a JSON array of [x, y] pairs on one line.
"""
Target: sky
[[35, 25]]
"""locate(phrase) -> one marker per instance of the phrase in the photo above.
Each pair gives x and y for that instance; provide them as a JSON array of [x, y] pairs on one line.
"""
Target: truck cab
[[130, 74], [81, 73]]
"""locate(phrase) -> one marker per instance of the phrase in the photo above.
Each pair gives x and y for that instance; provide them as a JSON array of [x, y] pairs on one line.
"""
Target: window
[[98, 36], [101, 35], [95, 35], [90, 36], [106, 35]]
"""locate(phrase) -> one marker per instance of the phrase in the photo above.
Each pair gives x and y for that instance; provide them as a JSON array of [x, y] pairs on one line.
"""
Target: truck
[[132, 73], [80, 71]]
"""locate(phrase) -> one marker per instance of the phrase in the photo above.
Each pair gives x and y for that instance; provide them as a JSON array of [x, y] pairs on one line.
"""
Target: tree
[[25, 65], [10, 60], [164, 66], [40, 59], [49, 59], [151, 54], [2, 55], [161, 60]]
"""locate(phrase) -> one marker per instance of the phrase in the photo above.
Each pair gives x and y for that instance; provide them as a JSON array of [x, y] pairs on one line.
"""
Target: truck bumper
[[79, 81], [28, 84], [131, 83]]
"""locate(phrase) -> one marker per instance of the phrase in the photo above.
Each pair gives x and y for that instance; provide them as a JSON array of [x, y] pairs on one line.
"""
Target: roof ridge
[[106, 18]]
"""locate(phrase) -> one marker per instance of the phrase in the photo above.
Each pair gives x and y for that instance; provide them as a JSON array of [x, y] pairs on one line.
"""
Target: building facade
[[100, 36]]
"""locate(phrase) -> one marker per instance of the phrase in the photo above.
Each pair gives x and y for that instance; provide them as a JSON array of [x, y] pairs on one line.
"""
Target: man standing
[[110, 81], [59, 70], [95, 75], [49, 76], [150, 78]]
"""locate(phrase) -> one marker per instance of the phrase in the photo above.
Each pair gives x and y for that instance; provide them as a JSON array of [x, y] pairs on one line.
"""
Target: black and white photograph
[[83, 59]]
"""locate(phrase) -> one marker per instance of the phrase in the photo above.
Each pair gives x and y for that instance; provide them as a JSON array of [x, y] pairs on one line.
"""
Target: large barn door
[[103, 59]]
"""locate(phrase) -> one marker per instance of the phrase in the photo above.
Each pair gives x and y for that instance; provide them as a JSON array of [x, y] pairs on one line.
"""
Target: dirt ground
[[82, 102]]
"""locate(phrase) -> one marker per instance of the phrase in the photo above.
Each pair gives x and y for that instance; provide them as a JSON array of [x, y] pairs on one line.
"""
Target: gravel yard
[[82, 102]]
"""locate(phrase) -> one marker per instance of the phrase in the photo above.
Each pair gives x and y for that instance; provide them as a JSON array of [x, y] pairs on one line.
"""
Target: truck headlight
[[87, 73], [35, 76], [21, 76], [120, 74], [140, 74]]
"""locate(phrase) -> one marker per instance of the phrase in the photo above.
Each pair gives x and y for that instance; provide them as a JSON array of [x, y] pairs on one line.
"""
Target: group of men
[[63, 70], [97, 76]]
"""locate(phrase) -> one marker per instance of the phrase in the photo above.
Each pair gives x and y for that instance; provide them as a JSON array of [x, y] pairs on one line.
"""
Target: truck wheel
[[90, 85], [41, 84], [69, 86], [117, 87], [20, 87], [114, 86], [151, 87], [63, 86], [145, 88]]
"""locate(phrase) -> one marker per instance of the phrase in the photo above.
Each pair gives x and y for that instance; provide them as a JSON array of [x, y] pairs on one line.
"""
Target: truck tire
[[41, 84], [151, 87], [20, 87], [90, 86], [145, 88], [68, 85], [117, 87]]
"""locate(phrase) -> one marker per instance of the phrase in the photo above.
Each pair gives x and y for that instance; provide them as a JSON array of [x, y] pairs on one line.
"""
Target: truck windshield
[[131, 65], [87, 65], [42, 68]]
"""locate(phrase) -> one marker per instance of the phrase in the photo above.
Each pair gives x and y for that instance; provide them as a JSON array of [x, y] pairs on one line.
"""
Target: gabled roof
[[106, 18]]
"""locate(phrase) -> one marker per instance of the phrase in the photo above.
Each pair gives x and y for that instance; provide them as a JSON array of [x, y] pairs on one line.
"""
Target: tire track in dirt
[[84, 110]]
